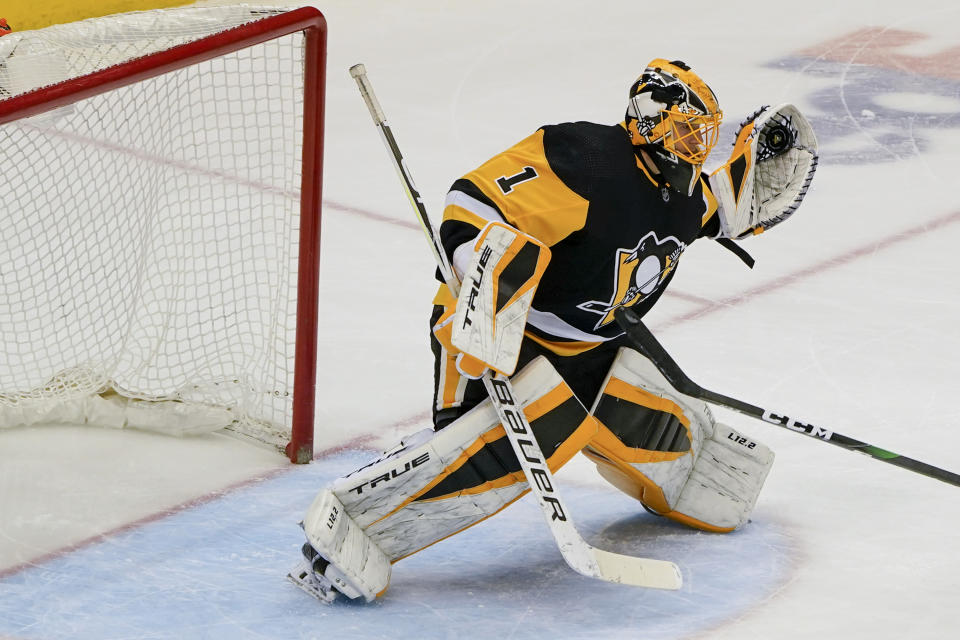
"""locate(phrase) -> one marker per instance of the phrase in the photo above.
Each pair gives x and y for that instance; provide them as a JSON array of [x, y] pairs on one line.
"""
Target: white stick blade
[[639, 572]]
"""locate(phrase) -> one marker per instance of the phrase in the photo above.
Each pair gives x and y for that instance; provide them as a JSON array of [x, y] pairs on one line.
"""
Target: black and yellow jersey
[[615, 234]]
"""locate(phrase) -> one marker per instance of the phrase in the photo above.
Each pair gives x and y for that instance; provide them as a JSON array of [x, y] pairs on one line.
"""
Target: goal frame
[[312, 23]]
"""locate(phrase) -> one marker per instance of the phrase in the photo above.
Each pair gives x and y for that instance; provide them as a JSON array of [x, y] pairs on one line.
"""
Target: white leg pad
[[708, 479], [726, 479], [357, 565], [435, 484]]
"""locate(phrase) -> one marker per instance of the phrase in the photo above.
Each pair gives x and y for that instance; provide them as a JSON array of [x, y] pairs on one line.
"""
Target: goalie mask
[[675, 117]]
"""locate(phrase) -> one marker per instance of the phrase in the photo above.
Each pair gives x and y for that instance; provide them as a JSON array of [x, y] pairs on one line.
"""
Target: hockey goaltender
[[545, 241]]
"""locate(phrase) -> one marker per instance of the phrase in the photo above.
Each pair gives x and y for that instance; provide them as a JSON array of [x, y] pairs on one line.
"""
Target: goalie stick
[[648, 345], [582, 557]]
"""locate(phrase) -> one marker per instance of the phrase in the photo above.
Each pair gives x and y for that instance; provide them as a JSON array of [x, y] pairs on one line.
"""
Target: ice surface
[[848, 320]]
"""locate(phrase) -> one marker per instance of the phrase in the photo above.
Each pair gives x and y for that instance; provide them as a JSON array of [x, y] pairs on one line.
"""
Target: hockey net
[[159, 221]]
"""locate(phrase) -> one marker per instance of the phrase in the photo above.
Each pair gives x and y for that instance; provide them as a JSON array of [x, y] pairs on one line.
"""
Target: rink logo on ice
[[392, 474], [885, 105], [637, 274]]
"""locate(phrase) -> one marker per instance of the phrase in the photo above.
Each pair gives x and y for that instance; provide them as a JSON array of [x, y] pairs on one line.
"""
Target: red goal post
[[144, 367]]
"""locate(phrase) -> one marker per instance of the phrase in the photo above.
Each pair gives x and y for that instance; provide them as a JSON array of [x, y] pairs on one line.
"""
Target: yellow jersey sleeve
[[526, 192]]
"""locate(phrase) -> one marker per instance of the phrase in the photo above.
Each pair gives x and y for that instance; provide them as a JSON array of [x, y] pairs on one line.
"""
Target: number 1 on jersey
[[507, 183]]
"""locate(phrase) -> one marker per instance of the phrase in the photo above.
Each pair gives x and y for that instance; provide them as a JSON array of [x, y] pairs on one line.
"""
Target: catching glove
[[767, 176]]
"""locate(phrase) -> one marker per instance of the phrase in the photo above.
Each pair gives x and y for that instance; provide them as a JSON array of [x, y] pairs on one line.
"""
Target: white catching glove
[[774, 158]]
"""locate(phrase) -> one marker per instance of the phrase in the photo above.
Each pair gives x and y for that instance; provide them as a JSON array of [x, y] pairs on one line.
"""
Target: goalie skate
[[308, 576]]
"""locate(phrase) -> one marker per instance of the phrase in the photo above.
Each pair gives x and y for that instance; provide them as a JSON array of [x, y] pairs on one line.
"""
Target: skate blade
[[303, 577]]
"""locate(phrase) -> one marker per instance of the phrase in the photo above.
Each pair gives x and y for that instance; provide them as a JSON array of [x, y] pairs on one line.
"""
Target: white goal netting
[[149, 235]]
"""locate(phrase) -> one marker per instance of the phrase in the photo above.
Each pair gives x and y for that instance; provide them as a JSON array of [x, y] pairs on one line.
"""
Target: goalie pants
[[454, 395]]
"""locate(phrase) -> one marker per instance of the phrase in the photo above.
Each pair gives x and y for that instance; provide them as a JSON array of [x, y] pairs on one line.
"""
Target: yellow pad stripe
[[607, 443], [626, 391]]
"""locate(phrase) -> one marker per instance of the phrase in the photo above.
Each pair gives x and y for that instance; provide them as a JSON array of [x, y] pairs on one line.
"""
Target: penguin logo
[[638, 273]]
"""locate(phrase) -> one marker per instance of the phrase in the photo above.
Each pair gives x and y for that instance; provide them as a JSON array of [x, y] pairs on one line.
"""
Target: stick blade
[[638, 572], [596, 563]]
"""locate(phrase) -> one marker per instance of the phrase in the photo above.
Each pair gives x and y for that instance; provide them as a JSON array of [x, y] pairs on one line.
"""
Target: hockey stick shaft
[[576, 552], [359, 73], [649, 346]]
